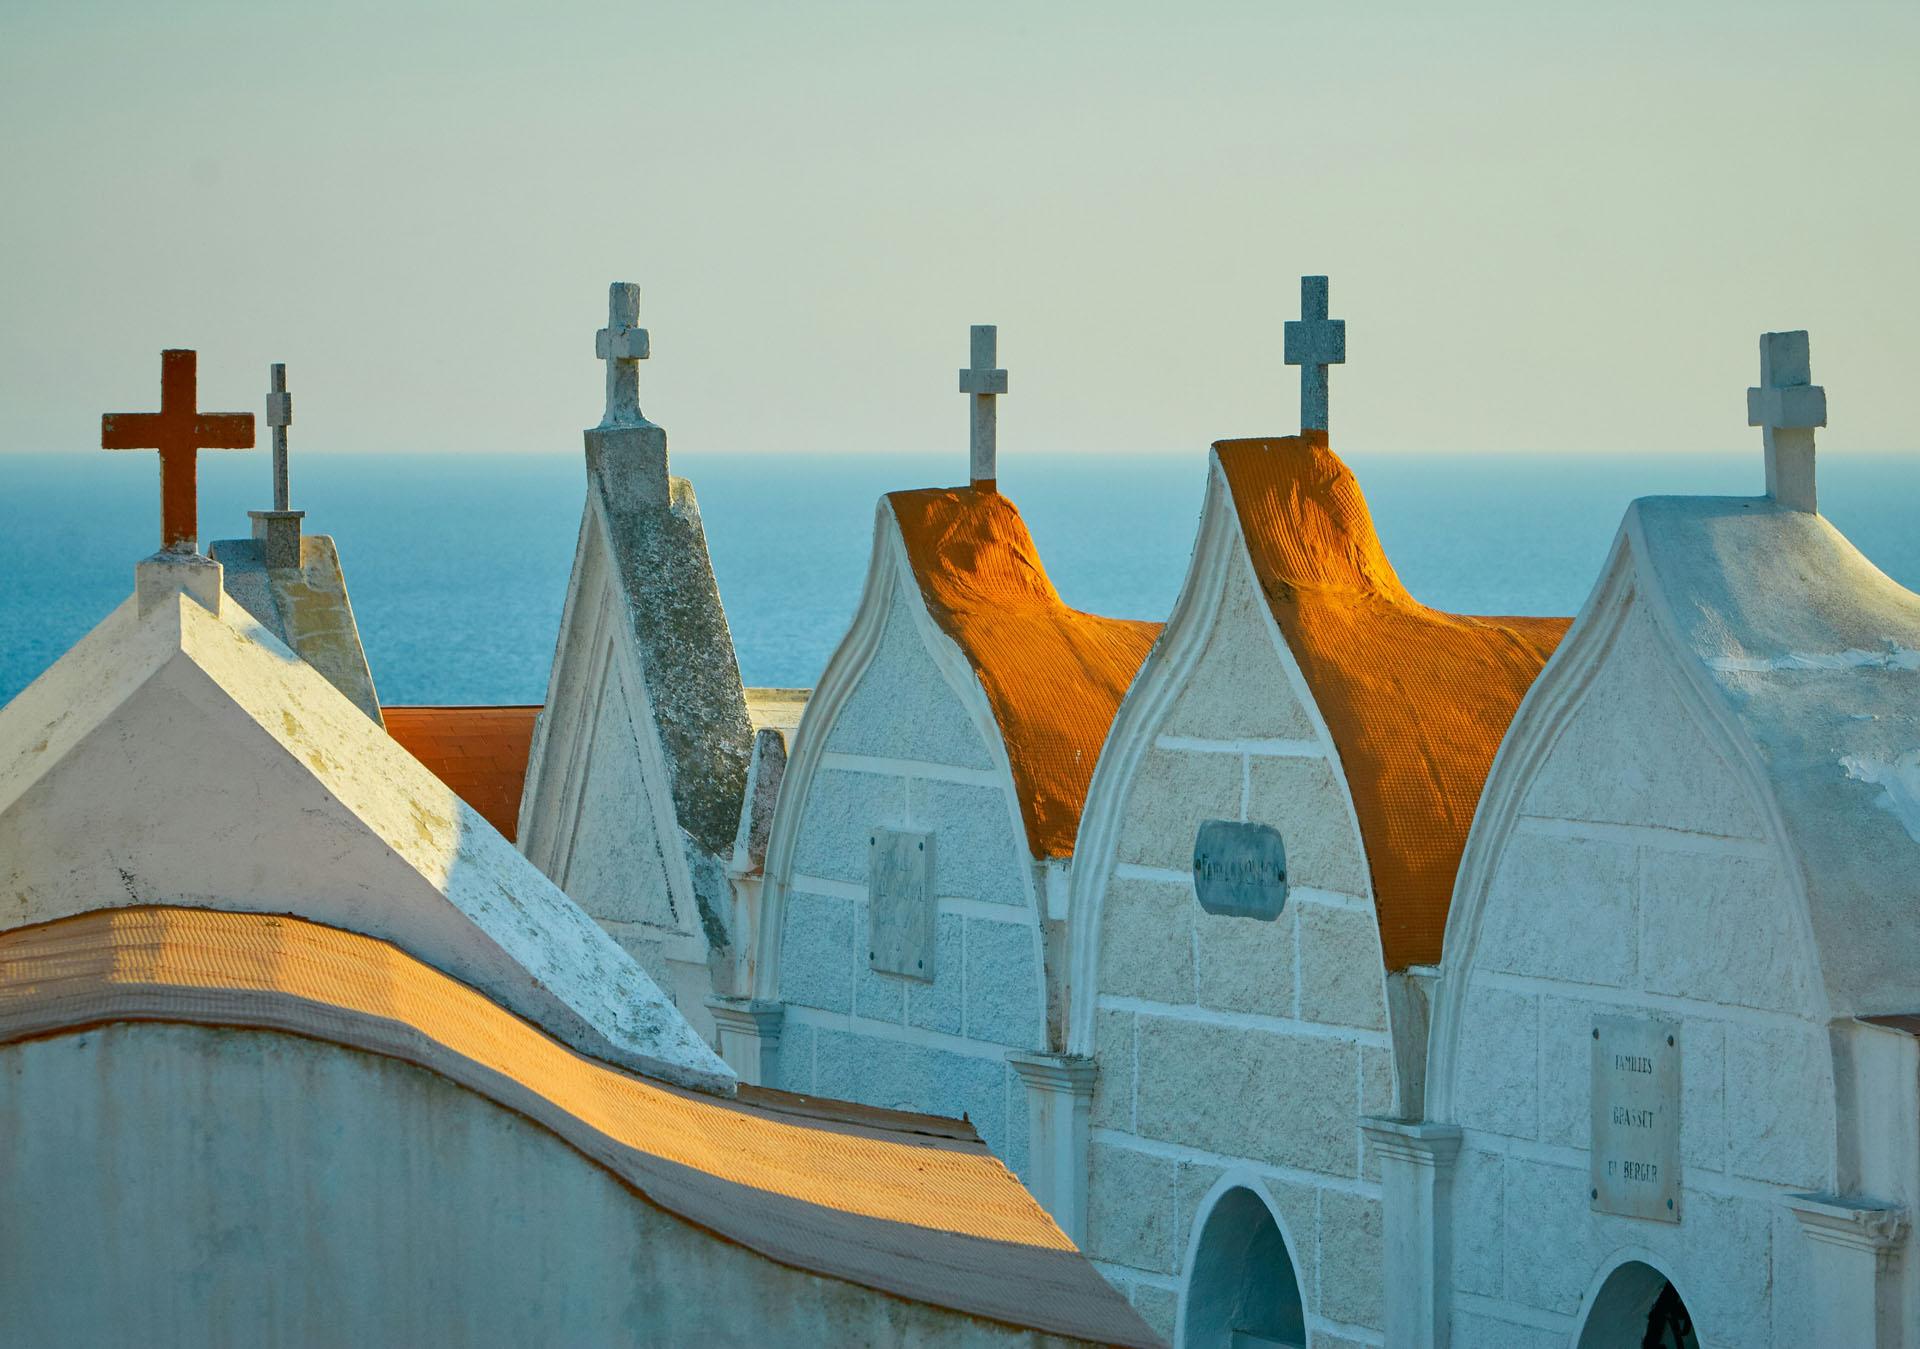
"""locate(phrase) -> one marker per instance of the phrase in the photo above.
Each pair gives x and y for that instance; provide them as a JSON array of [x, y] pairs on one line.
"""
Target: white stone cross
[[622, 344], [985, 384], [1313, 342], [1787, 407], [279, 417]]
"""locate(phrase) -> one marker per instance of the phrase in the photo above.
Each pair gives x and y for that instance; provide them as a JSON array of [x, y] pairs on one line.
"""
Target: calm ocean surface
[[458, 567]]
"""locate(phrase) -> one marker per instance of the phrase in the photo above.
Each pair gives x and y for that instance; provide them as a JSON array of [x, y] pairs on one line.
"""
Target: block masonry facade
[[1232, 1055]]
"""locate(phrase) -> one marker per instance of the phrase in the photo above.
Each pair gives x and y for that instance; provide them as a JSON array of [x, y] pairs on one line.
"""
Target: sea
[[457, 566]]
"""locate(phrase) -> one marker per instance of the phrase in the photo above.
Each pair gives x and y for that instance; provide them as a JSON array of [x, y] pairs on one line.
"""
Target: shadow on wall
[[1243, 1289]]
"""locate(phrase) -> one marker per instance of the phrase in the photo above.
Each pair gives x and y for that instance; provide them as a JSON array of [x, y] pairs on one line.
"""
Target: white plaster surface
[[897, 737], [1230, 1043], [187, 758], [1695, 816], [178, 1185]]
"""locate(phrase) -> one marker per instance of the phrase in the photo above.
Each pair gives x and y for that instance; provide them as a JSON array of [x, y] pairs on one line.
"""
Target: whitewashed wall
[[180, 1185], [1231, 1046], [907, 749], [1636, 877]]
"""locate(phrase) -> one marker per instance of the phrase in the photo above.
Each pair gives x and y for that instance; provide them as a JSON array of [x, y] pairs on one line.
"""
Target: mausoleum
[[295, 1047], [1259, 891], [915, 894], [1673, 1067]]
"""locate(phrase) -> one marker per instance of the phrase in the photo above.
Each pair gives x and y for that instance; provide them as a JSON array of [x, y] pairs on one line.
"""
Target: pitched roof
[[1054, 676], [1417, 700], [179, 756], [479, 752], [916, 1208], [1815, 653]]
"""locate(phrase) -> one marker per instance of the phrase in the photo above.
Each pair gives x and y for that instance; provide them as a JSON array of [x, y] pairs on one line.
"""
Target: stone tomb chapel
[[1673, 1064]]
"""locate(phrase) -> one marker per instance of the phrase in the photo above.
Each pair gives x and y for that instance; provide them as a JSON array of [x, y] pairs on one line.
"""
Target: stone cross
[[178, 430], [622, 344], [279, 417], [985, 384], [1313, 342], [1787, 407]]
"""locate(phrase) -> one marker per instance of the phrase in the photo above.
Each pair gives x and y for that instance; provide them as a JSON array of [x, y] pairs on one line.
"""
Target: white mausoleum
[[1673, 1066], [914, 907], [1257, 899], [296, 1048]]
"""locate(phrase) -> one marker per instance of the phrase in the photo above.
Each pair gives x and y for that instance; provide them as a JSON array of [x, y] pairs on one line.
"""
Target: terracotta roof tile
[[1054, 676], [479, 752], [1417, 700]]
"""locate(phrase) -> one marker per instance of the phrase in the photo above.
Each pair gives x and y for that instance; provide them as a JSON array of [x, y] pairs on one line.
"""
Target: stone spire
[[627, 452], [1787, 406]]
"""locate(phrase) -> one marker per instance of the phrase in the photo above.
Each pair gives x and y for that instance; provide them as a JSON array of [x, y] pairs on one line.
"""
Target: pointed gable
[[185, 757], [1053, 675], [1416, 699]]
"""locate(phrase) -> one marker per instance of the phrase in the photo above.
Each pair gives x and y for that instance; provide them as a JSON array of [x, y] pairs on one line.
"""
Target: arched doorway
[[1637, 1308], [1242, 1292]]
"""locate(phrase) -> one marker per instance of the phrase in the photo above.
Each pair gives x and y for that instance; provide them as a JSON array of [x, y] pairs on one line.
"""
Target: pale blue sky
[[1549, 226]]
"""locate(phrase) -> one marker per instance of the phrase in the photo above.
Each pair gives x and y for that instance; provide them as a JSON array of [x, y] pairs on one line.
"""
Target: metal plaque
[[900, 903], [1240, 870], [1636, 1118]]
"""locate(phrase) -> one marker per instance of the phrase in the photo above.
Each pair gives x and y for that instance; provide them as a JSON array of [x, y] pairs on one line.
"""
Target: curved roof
[[479, 752], [1416, 699], [1054, 676], [912, 1207], [1816, 654]]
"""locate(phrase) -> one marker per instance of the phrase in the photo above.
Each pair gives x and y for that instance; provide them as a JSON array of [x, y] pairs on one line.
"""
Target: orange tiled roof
[[479, 752], [1054, 676], [1417, 700], [915, 1207]]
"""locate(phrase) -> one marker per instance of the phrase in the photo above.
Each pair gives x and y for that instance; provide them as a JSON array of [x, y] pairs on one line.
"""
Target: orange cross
[[178, 431]]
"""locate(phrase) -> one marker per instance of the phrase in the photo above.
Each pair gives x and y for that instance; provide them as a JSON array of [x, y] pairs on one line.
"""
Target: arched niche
[[1638, 1308], [1242, 1290]]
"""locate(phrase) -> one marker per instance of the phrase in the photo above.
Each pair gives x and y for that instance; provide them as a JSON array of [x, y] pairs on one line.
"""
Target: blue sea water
[[458, 566]]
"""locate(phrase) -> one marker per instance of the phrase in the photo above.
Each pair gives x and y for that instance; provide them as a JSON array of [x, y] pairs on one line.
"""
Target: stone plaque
[[1636, 1117], [900, 905], [1240, 870]]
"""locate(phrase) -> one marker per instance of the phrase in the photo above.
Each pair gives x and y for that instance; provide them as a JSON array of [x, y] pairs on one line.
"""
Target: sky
[[1550, 227]]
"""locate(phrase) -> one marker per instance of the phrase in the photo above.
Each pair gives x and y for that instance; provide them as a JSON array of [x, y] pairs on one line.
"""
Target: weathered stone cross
[[1313, 342], [622, 344], [178, 430], [1787, 406], [985, 384], [279, 417]]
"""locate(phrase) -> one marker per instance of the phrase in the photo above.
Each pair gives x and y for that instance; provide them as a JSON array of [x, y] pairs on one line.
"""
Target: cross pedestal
[[986, 384], [1313, 342], [179, 431], [1787, 406]]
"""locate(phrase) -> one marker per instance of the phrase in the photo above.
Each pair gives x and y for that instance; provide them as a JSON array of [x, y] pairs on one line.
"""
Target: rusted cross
[[179, 431]]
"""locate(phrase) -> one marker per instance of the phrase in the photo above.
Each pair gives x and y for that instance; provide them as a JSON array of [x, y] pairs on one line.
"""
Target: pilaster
[[1856, 1246], [1059, 1107], [749, 1033], [1416, 1181]]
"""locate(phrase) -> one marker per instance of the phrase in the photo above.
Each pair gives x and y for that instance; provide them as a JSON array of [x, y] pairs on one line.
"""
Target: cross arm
[[224, 430], [129, 430], [1796, 407], [1315, 341], [983, 381], [632, 344]]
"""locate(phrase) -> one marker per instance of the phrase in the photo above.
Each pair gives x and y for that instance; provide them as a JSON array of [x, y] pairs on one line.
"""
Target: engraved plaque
[[900, 905], [1240, 870], [1636, 1118]]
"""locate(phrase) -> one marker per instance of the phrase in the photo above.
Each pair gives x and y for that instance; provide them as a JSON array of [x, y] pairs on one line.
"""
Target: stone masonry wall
[[1636, 880], [1226, 1043], [904, 753]]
